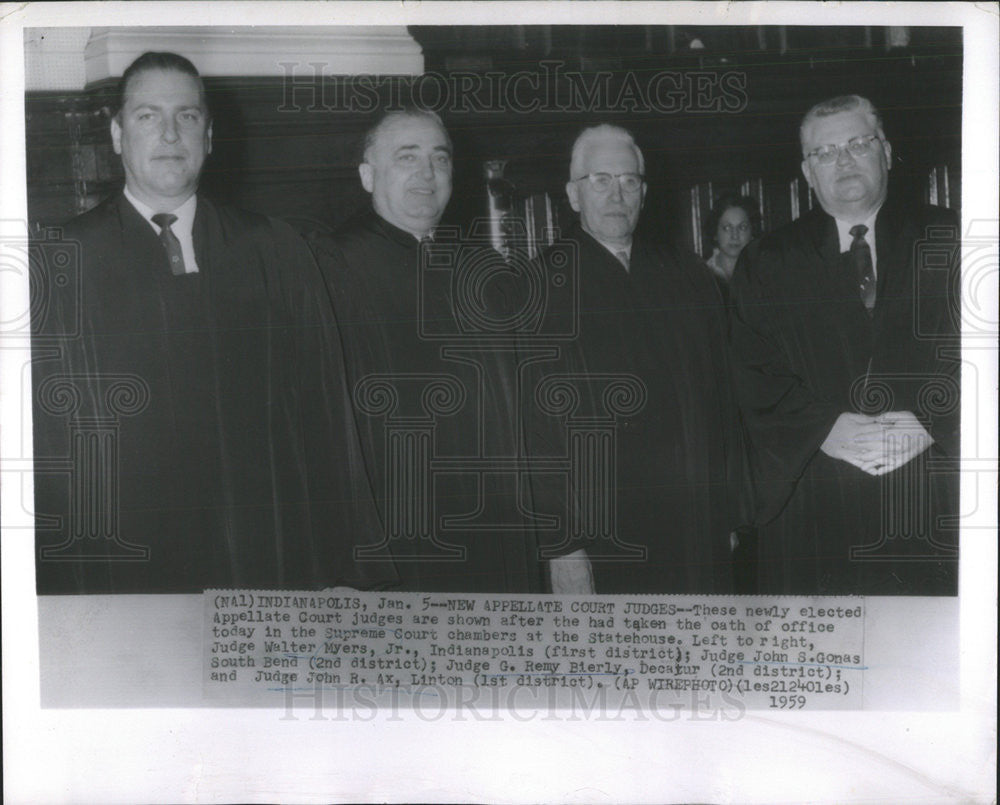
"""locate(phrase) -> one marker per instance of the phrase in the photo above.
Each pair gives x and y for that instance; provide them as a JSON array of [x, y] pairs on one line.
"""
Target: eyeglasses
[[601, 182], [857, 147]]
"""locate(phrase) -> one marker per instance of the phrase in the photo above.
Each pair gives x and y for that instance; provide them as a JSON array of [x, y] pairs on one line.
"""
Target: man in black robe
[[433, 388], [845, 343], [637, 400], [192, 424]]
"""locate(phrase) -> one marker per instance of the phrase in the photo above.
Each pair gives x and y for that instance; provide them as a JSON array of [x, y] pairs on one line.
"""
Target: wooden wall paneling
[[296, 157], [70, 165]]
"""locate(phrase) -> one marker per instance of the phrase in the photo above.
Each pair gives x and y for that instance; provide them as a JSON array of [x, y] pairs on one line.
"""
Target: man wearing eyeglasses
[[646, 505], [841, 336]]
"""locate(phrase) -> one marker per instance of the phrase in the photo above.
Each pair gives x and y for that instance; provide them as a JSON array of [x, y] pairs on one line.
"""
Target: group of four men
[[285, 400]]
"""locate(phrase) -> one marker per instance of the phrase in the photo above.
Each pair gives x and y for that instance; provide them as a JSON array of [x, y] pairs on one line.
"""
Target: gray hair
[[842, 103], [601, 133], [388, 118]]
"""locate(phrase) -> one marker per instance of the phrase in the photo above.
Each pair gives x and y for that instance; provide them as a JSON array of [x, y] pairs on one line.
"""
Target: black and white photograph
[[600, 309], [519, 404]]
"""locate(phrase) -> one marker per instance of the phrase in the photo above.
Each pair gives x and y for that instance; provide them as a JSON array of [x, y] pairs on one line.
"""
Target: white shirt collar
[[182, 227], [844, 231]]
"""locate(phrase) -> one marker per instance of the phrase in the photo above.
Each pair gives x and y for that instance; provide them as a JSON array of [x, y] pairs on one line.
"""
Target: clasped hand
[[877, 444]]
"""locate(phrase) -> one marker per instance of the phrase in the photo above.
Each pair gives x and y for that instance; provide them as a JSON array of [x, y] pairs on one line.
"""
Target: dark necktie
[[622, 258], [861, 255], [170, 242]]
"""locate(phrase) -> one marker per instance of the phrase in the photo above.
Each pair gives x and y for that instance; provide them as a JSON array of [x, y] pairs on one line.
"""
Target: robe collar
[[373, 221], [578, 233], [821, 232], [821, 229]]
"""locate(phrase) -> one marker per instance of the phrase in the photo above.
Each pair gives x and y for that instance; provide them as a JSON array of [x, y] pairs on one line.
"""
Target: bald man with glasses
[[845, 341], [648, 504]]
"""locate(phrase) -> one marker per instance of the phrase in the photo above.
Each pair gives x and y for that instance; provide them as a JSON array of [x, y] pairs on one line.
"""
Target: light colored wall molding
[[53, 58], [74, 58], [261, 51]]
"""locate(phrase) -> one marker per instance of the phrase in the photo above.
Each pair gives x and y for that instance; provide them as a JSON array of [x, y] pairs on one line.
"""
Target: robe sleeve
[[741, 494], [343, 509], [786, 421], [939, 312], [543, 436]]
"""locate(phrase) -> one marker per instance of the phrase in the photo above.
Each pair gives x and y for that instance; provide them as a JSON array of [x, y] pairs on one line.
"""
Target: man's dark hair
[[152, 60], [727, 202], [385, 119]]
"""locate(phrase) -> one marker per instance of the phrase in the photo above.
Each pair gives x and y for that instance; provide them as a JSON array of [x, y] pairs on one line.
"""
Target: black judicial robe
[[426, 374], [198, 426], [806, 351], [669, 491]]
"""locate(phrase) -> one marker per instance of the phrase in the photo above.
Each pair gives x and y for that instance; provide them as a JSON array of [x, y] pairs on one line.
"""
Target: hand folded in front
[[877, 445]]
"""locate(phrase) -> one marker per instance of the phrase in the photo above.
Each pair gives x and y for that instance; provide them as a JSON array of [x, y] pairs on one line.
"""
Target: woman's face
[[733, 232]]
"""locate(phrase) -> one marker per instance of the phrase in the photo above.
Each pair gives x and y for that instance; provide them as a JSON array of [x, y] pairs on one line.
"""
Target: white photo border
[[162, 755]]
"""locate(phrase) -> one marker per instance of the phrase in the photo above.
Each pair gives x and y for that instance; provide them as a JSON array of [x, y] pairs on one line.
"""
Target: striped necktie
[[170, 242], [861, 255]]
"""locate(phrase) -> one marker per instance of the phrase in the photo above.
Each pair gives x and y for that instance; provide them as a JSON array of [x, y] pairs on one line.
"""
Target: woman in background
[[730, 226]]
